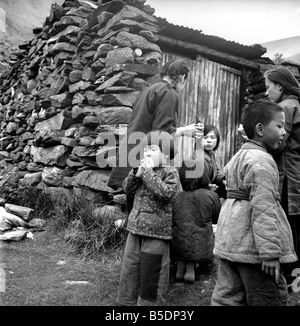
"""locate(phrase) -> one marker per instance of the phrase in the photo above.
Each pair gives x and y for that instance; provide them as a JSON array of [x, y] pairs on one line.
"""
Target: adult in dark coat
[[284, 89], [156, 108], [194, 211]]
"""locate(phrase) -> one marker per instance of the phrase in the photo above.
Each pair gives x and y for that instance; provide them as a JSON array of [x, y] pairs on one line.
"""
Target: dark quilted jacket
[[194, 212]]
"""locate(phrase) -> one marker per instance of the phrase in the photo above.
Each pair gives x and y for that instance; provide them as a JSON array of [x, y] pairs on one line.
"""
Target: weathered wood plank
[[210, 53]]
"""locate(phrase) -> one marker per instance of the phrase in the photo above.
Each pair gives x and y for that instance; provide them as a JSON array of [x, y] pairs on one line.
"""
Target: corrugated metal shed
[[211, 95], [193, 36], [214, 89]]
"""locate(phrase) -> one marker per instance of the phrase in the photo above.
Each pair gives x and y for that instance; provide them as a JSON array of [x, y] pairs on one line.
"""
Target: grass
[[74, 247], [87, 230], [38, 271], [37, 274]]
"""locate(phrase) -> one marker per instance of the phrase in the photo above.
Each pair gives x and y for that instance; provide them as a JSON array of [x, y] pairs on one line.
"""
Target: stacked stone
[[5, 56], [71, 90]]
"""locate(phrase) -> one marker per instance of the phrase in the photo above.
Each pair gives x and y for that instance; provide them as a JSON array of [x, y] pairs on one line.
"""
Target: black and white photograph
[[149, 156]]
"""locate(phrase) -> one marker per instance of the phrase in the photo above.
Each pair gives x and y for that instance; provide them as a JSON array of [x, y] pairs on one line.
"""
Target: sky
[[243, 21]]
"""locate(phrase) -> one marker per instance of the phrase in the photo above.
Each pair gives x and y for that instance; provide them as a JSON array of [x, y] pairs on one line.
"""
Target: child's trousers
[[145, 271], [240, 284]]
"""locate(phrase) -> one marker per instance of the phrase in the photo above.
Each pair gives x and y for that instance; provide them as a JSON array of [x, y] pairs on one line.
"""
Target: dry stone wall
[[71, 88]]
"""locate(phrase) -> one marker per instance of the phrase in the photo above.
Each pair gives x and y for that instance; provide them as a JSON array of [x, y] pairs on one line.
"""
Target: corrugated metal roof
[[194, 36]]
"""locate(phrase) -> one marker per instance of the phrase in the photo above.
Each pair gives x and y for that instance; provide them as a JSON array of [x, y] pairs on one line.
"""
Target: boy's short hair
[[260, 111], [165, 68], [178, 67], [189, 176], [162, 139], [209, 128]]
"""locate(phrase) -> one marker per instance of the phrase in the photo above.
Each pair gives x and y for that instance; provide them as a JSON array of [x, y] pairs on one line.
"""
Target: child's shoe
[[180, 270], [189, 275]]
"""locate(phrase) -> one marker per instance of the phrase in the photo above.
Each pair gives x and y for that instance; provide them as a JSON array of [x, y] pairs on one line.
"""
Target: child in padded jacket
[[253, 236], [146, 262], [195, 209]]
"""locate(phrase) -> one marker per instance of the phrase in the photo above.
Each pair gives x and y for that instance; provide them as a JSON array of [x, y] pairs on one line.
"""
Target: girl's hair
[[285, 78], [209, 128], [190, 182], [260, 111], [162, 139]]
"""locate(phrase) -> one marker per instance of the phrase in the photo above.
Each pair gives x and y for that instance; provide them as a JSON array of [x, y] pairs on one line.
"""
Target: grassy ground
[[42, 272]]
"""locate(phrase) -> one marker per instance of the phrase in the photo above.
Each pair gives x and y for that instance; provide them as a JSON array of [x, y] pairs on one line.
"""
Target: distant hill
[[288, 47], [22, 16], [295, 58]]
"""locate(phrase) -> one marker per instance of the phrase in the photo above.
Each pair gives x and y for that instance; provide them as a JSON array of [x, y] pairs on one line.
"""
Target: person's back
[[194, 212], [253, 237], [155, 108], [195, 209]]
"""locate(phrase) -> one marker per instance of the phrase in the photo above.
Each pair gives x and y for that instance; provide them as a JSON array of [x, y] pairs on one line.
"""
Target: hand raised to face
[[147, 163]]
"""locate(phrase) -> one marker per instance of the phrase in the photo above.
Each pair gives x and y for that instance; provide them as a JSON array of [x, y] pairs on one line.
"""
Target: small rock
[[37, 223], [77, 282]]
